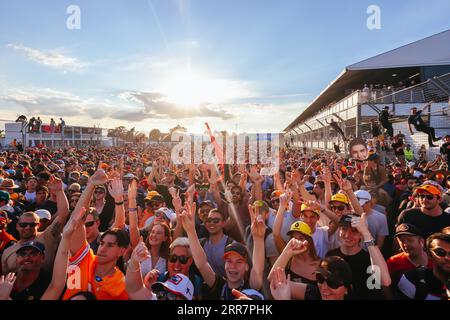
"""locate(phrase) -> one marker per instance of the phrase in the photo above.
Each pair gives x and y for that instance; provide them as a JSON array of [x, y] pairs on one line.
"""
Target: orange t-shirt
[[83, 278]]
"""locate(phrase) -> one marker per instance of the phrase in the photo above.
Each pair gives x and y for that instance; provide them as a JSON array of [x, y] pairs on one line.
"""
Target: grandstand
[[411, 75]]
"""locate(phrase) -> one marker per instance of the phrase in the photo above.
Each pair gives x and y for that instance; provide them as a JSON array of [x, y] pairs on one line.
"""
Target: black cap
[[238, 248], [33, 244], [346, 220], [408, 229]]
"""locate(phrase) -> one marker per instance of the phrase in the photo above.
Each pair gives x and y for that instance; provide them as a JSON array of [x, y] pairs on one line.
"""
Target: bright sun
[[188, 88]]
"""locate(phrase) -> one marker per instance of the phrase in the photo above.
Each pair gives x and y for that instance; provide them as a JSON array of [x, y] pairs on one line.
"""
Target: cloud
[[139, 106], [154, 105], [52, 58]]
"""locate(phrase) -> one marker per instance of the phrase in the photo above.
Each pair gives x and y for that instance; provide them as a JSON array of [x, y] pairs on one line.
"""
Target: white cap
[[418, 174], [129, 176], [363, 196], [44, 214], [2, 164], [148, 170], [148, 222], [179, 284], [170, 214]]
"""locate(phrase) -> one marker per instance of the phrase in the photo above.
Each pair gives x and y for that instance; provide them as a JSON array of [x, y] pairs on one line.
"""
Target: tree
[[155, 135]]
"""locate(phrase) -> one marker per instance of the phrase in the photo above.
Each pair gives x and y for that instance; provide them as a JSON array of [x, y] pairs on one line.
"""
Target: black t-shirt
[[221, 291], [36, 290], [421, 284], [399, 151], [383, 117], [417, 120], [427, 224], [358, 264]]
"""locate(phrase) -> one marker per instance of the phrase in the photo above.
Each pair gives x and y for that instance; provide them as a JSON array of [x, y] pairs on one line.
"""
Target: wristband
[[119, 203], [132, 209], [370, 243]]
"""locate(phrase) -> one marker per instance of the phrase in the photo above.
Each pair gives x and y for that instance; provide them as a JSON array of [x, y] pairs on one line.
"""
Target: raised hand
[[254, 174], [115, 188], [76, 221], [360, 223], [6, 285], [55, 185], [258, 225], [99, 177], [151, 278], [279, 285], [132, 190], [295, 247], [188, 217], [176, 200], [140, 253]]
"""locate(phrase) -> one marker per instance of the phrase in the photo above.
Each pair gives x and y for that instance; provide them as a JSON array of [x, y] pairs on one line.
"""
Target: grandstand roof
[[404, 61]]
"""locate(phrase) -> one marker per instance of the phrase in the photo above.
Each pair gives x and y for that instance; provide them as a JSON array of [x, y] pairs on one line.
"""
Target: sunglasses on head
[[213, 220], [99, 191], [27, 224], [89, 223], [340, 208], [426, 196], [441, 253], [333, 284], [174, 258]]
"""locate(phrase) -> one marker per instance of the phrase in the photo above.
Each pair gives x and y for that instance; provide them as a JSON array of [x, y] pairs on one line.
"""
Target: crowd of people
[[127, 223]]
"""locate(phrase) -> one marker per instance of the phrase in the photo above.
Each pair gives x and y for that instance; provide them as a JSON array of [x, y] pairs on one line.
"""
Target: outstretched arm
[[258, 229], [56, 287]]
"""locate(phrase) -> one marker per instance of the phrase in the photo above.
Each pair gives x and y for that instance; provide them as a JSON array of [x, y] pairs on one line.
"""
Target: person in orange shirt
[[153, 202], [97, 274]]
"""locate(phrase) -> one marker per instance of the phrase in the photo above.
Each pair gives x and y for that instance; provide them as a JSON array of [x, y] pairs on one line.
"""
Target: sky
[[240, 65]]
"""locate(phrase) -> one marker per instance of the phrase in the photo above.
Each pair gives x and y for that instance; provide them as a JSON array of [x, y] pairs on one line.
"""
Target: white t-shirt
[[146, 266], [31, 197]]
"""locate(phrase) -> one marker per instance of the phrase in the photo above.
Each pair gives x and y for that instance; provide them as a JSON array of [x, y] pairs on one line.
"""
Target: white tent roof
[[431, 51]]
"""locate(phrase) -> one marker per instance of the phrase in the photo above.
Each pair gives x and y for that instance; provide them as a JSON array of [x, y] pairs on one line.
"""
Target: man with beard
[[429, 216], [413, 254], [28, 226], [32, 280], [430, 284]]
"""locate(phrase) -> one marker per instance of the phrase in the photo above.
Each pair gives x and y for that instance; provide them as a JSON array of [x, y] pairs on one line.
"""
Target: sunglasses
[[441, 253], [340, 208], [74, 200], [426, 196], [166, 295], [153, 204], [203, 188], [32, 254], [333, 284], [89, 223], [213, 220], [175, 258], [275, 200], [236, 193], [27, 224], [99, 191]]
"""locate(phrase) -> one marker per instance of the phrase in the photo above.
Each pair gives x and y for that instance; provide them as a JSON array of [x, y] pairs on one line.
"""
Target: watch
[[369, 243]]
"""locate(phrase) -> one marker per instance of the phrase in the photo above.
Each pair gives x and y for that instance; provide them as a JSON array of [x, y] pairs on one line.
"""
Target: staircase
[[419, 138]]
